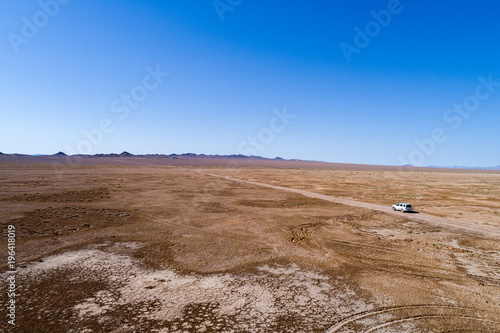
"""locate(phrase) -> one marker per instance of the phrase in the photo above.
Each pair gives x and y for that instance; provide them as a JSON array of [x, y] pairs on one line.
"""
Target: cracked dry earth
[[274, 297], [160, 249]]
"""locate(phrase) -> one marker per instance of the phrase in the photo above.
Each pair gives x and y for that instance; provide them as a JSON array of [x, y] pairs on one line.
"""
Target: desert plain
[[137, 245]]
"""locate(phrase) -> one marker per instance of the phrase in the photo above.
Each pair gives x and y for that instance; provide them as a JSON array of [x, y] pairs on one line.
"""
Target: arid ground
[[174, 248]]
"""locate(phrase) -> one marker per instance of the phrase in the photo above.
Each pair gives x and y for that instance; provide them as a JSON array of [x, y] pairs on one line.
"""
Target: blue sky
[[70, 74]]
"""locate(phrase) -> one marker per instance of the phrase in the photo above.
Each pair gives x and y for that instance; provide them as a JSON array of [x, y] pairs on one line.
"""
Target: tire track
[[304, 235], [352, 319], [432, 220], [374, 259], [378, 262], [415, 318], [362, 245]]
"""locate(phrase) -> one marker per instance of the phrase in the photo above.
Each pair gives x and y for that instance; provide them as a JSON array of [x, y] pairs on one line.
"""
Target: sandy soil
[[467, 227], [460, 195], [117, 248]]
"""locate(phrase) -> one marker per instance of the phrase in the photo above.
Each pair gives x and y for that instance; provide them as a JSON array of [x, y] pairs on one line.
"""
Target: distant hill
[[192, 159], [127, 154], [465, 167], [123, 154]]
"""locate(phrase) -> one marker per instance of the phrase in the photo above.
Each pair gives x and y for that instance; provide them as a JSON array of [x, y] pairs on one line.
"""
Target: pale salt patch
[[311, 275], [235, 306], [129, 245], [96, 246], [92, 259], [291, 269], [483, 265], [88, 309], [476, 262], [253, 299]]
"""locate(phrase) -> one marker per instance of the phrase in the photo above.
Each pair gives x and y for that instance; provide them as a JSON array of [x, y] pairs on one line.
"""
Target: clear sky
[[376, 82]]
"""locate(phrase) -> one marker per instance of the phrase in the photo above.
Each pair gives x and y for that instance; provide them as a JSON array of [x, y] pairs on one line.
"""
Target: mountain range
[[126, 154]]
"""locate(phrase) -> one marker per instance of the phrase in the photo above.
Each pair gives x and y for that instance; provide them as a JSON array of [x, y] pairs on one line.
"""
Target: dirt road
[[469, 228], [156, 249]]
